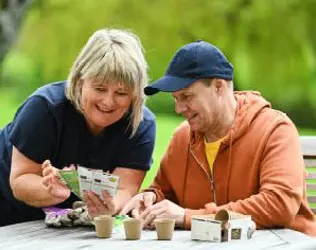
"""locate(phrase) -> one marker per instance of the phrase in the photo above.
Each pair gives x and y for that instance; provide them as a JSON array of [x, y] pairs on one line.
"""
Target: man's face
[[200, 105]]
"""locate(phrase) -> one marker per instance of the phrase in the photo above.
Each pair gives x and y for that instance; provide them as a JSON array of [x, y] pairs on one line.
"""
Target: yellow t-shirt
[[211, 149]]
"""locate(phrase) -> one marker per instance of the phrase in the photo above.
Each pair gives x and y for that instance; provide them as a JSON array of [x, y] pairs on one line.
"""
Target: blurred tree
[[272, 44], [11, 14]]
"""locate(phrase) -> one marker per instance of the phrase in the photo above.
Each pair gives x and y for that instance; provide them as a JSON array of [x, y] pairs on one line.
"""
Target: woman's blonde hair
[[111, 56]]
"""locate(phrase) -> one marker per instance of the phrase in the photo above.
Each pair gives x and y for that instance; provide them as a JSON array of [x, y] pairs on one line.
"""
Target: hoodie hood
[[249, 104]]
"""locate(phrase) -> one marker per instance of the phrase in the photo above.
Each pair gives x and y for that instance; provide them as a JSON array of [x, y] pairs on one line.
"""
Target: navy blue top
[[47, 126]]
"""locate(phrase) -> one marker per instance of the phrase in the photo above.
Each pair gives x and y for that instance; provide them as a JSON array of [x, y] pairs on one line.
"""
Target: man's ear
[[219, 85]]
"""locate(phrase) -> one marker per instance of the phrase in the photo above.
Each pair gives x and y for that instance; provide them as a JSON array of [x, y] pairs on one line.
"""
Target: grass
[[166, 125], [307, 131]]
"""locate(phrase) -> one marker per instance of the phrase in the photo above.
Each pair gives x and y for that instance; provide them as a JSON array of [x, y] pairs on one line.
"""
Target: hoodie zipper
[[212, 172], [210, 177]]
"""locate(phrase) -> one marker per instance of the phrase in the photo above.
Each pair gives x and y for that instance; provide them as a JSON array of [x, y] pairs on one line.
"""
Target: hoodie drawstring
[[229, 163]]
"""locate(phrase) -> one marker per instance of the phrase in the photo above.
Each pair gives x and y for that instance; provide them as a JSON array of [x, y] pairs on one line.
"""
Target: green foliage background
[[271, 44]]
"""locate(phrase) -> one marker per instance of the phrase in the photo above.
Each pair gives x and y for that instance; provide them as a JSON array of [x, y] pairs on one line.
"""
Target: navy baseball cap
[[191, 62]]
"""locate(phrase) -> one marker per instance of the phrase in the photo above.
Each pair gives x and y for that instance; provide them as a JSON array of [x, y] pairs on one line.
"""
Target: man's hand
[[139, 203], [98, 207], [51, 180], [164, 208]]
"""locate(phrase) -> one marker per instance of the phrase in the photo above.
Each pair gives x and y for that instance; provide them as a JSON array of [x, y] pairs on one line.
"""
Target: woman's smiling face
[[104, 103]]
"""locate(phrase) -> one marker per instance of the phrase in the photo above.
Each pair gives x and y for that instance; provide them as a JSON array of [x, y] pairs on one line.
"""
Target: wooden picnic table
[[35, 235]]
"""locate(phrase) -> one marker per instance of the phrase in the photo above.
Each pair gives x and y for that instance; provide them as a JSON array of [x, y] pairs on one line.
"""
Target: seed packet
[[104, 181], [88, 179], [85, 176], [70, 178]]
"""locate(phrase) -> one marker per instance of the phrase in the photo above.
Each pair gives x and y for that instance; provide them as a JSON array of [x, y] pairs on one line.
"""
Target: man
[[233, 151]]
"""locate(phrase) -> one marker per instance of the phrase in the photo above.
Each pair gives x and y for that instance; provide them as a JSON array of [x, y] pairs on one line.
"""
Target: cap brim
[[168, 84]]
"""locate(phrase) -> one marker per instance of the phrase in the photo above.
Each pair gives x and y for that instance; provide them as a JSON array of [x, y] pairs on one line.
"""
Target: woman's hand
[[51, 180], [98, 207]]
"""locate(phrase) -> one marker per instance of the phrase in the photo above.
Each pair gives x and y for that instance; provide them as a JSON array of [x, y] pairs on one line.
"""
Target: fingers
[[55, 188], [134, 203], [45, 164], [151, 211], [48, 169], [71, 167], [151, 226], [46, 180], [135, 213], [106, 196], [92, 210], [52, 181], [148, 198], [149, 216], [108, 201], [94, 199], [127, 208], [95, 205]]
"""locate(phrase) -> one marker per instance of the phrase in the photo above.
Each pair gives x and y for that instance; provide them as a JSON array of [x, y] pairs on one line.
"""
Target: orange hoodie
[[258, 170]]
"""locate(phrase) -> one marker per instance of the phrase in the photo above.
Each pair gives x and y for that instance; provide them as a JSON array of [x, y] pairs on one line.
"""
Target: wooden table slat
[[35, 235]]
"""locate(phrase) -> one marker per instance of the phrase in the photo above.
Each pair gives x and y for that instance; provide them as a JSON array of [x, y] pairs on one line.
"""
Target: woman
[[95, 119]]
